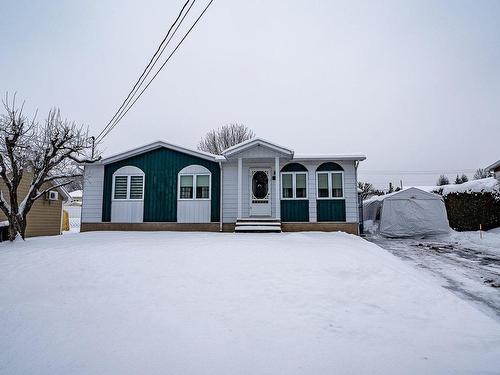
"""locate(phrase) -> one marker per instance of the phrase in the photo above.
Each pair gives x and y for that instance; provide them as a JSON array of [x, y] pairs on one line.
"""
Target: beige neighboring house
[[45, 216], [495, 169]]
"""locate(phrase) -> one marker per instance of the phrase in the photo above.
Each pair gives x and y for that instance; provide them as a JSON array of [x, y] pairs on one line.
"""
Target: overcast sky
[[414, 85]]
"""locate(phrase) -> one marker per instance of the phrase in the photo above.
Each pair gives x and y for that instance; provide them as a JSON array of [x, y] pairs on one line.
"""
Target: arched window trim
[[294, 167], [131, 174], [194, 183], [329, 166]]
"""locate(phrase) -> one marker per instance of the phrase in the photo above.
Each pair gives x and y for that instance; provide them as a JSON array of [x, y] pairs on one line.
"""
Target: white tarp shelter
[[406, 213]]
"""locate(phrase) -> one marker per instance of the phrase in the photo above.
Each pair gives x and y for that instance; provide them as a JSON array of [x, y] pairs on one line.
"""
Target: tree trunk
[[12, 231], [21, 227]]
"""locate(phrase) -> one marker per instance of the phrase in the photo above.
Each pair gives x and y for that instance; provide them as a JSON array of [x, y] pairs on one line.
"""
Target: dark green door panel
[[295, 210], [161, 167], [331, 209]]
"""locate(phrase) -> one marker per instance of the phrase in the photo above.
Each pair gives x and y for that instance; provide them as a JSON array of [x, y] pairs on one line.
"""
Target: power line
[[159, 70], [149, 66]]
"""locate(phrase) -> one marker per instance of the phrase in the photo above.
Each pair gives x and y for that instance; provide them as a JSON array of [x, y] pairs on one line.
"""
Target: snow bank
[[487, 241], [209, 303], [484, 185]]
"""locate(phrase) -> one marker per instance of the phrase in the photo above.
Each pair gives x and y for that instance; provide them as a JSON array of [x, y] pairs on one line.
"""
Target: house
[[495, 169], [45, 216], [255, 185], [76, 197]]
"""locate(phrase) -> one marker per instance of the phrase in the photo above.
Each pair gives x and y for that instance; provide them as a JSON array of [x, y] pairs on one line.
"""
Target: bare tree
[[47, 154], [217, 140], [366, 189], [481, 173]]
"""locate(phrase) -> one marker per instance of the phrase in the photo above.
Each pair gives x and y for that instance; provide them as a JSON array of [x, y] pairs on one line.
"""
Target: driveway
[[469, 269]]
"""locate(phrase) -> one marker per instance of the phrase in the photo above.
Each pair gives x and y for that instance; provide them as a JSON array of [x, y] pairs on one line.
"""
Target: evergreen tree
[[443, 180], [464, 178]]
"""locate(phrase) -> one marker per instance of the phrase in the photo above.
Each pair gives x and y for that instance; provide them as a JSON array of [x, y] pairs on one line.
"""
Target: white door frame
[[260, 207]]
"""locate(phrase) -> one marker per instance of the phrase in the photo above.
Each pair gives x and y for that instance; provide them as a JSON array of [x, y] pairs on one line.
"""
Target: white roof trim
[[358, 157], [253, 142], [65, 193], [154, 146], [493, 166]]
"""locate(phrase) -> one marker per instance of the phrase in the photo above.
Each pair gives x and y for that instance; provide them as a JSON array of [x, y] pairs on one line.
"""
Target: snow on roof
[[484, 185], [359, 157], [379, 198], [493, 166], [155, 145], [76, 194]]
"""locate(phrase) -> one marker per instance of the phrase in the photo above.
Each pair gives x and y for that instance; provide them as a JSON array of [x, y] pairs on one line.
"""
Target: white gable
[[257, 148]]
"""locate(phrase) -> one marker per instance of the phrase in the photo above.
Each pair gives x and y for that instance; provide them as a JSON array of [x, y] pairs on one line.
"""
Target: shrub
[[467, 210]]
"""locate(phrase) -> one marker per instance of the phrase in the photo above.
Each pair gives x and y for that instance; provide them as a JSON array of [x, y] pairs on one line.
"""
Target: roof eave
[[493, 166], [153, 146]]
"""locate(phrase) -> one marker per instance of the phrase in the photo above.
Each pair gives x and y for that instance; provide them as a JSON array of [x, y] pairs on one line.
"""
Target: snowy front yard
[[199, 303]]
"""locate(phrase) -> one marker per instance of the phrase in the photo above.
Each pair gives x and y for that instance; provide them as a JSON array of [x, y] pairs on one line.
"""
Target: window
[[330, 185], [337, 185], [128, 187], [121, 187], [287, 185], [293, 185], [300, 185], [323, 185], [202, 186], [186, 187], [194, 186]]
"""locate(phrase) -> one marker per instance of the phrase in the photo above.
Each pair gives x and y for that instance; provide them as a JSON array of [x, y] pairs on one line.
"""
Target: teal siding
[[161, 167], [295, 210], [294, 167], [329, 166], [331, 209]]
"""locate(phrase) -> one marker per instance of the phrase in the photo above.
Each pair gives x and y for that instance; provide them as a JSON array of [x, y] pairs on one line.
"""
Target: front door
[[260, 192]]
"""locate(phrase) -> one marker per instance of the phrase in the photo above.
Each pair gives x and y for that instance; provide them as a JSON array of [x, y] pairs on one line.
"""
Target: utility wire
[[148, 67], [159, 70]]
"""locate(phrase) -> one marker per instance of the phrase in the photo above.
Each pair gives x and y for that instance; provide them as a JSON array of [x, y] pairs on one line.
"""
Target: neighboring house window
[[188, 182], [330, 185], [128, 187], [293, 185]]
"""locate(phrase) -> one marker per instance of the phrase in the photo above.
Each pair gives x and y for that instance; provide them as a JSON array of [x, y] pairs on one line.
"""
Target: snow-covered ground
[[201, 303], [468, 263]]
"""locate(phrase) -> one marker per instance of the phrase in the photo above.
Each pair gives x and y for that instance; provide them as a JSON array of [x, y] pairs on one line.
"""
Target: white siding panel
[[193, 211], [127, 211], [93, 183], [257, 152]]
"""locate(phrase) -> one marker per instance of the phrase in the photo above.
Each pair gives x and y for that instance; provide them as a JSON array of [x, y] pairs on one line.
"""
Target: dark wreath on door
[[260, 187]]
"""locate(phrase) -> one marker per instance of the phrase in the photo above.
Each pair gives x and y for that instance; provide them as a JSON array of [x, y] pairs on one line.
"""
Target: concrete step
[[259, 219], [257, 229], [258, 225], [262, 223]]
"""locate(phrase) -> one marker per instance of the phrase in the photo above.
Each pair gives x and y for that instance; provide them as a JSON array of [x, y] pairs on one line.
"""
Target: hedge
[[467, 210]]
